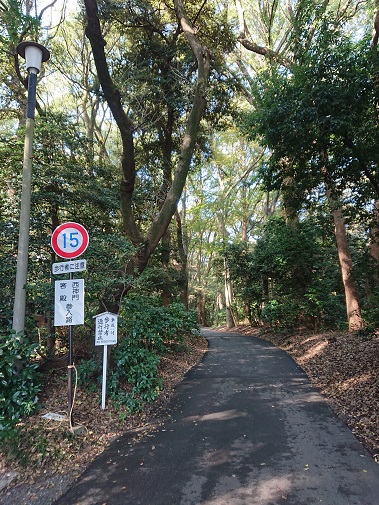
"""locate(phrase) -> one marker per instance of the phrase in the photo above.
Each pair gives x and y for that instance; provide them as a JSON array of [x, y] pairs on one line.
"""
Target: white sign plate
[[106, 329], [69, 302], [65, 267]]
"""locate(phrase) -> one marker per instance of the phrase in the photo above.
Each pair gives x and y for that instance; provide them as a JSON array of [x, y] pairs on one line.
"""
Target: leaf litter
[[49, 458], [344, 367]]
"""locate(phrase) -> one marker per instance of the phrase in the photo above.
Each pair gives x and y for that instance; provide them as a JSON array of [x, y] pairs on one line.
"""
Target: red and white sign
[[69, 240]]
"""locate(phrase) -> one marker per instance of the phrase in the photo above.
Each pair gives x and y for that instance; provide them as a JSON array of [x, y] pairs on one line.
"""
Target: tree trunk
[[183, 256], [289, 193], [245, 213], [165, 260], [201, 307], [354, 317], [146, 243], [247, 313], [230, 322], [374, 245]]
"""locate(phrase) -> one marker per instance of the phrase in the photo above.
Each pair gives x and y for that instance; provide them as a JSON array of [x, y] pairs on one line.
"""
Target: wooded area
[[223, 157]]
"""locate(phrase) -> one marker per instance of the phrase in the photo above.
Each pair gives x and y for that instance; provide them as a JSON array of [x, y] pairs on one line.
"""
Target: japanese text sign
[[69, 302], [66, 267], [106, 329]]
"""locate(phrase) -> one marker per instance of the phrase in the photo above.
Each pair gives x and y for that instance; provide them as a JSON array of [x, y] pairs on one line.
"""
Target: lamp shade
[[34, 55]]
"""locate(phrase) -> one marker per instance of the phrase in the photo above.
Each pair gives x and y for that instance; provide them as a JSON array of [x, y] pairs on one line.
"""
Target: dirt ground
[[344, 367]]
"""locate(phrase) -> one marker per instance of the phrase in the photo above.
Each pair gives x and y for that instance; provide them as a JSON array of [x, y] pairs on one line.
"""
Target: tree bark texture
[[201, 300], [230, 322], [183, 256], [374, 245], [354, 317], [146, 244]]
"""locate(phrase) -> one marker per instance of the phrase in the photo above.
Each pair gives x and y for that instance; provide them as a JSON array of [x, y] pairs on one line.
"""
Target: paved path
[[246, 428]]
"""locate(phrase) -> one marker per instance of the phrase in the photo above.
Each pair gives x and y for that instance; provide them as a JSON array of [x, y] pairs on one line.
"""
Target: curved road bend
[[245, 427]]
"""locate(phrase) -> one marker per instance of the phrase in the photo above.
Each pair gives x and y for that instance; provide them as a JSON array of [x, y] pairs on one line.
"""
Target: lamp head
[[34, 54]]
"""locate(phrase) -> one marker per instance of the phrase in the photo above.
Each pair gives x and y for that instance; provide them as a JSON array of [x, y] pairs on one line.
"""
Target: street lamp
[[34, 54]]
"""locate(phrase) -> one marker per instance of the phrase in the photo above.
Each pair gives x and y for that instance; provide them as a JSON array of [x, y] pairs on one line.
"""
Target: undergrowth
[[146, 332]]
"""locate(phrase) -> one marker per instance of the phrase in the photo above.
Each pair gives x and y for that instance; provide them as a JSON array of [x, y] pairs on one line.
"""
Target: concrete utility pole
[[34, 55]]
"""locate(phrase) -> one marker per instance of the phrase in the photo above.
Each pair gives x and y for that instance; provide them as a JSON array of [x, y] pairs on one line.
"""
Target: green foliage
[[164, 273], [13, 22], [155, 73], [288, 254], [19, 387], [300, 279], [154, 327], [370, 311], [323, 306], [89, 373], [149, 332], [139, 368], [290, 277], [320, 118], [365, 334], [66, 185]]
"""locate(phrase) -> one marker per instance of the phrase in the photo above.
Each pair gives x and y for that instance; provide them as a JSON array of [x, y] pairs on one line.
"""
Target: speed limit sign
[[69, 240]]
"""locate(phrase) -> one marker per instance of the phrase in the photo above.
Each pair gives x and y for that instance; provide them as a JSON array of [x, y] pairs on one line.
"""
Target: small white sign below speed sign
[[69, 240], [69, 302]]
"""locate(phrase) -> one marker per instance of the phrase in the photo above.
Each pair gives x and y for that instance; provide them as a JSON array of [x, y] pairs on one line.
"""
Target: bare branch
[[45, 9]]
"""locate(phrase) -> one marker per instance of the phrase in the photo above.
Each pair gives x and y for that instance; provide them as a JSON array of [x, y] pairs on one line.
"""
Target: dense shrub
[[146, 332], [290, 276], [19, 385]]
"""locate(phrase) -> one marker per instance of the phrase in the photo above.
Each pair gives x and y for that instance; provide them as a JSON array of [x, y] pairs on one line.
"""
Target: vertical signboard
[[69, 241], [106, 329], [69, 302], [105, 334]]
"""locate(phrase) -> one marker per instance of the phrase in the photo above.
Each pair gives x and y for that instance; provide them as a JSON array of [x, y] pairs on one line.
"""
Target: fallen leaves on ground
[[51, 457], [343, 366]]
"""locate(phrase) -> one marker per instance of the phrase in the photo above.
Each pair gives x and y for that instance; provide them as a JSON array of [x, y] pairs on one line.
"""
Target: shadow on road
[[245, 427]]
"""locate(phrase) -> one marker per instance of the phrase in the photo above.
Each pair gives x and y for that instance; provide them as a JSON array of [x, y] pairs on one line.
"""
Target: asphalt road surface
[[245, 428]]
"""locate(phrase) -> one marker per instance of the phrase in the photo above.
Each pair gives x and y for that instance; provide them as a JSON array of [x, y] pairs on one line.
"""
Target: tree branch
[[112, 95], [203, 59], [244, 40], [125, 125]]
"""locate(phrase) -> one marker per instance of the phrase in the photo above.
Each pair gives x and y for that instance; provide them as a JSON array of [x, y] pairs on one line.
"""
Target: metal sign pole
[[70, 367], [105, 334], [69, 240], [104, 387]]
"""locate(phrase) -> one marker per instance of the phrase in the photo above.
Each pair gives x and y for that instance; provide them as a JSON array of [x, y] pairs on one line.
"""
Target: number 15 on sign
[[69, 240]]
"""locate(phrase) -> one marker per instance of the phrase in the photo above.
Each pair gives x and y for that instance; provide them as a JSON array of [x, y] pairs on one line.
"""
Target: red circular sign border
[[59, 229]]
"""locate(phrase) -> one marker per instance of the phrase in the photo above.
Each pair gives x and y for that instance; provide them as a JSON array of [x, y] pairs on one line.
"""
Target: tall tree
[[225, 206], [161, 26]]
